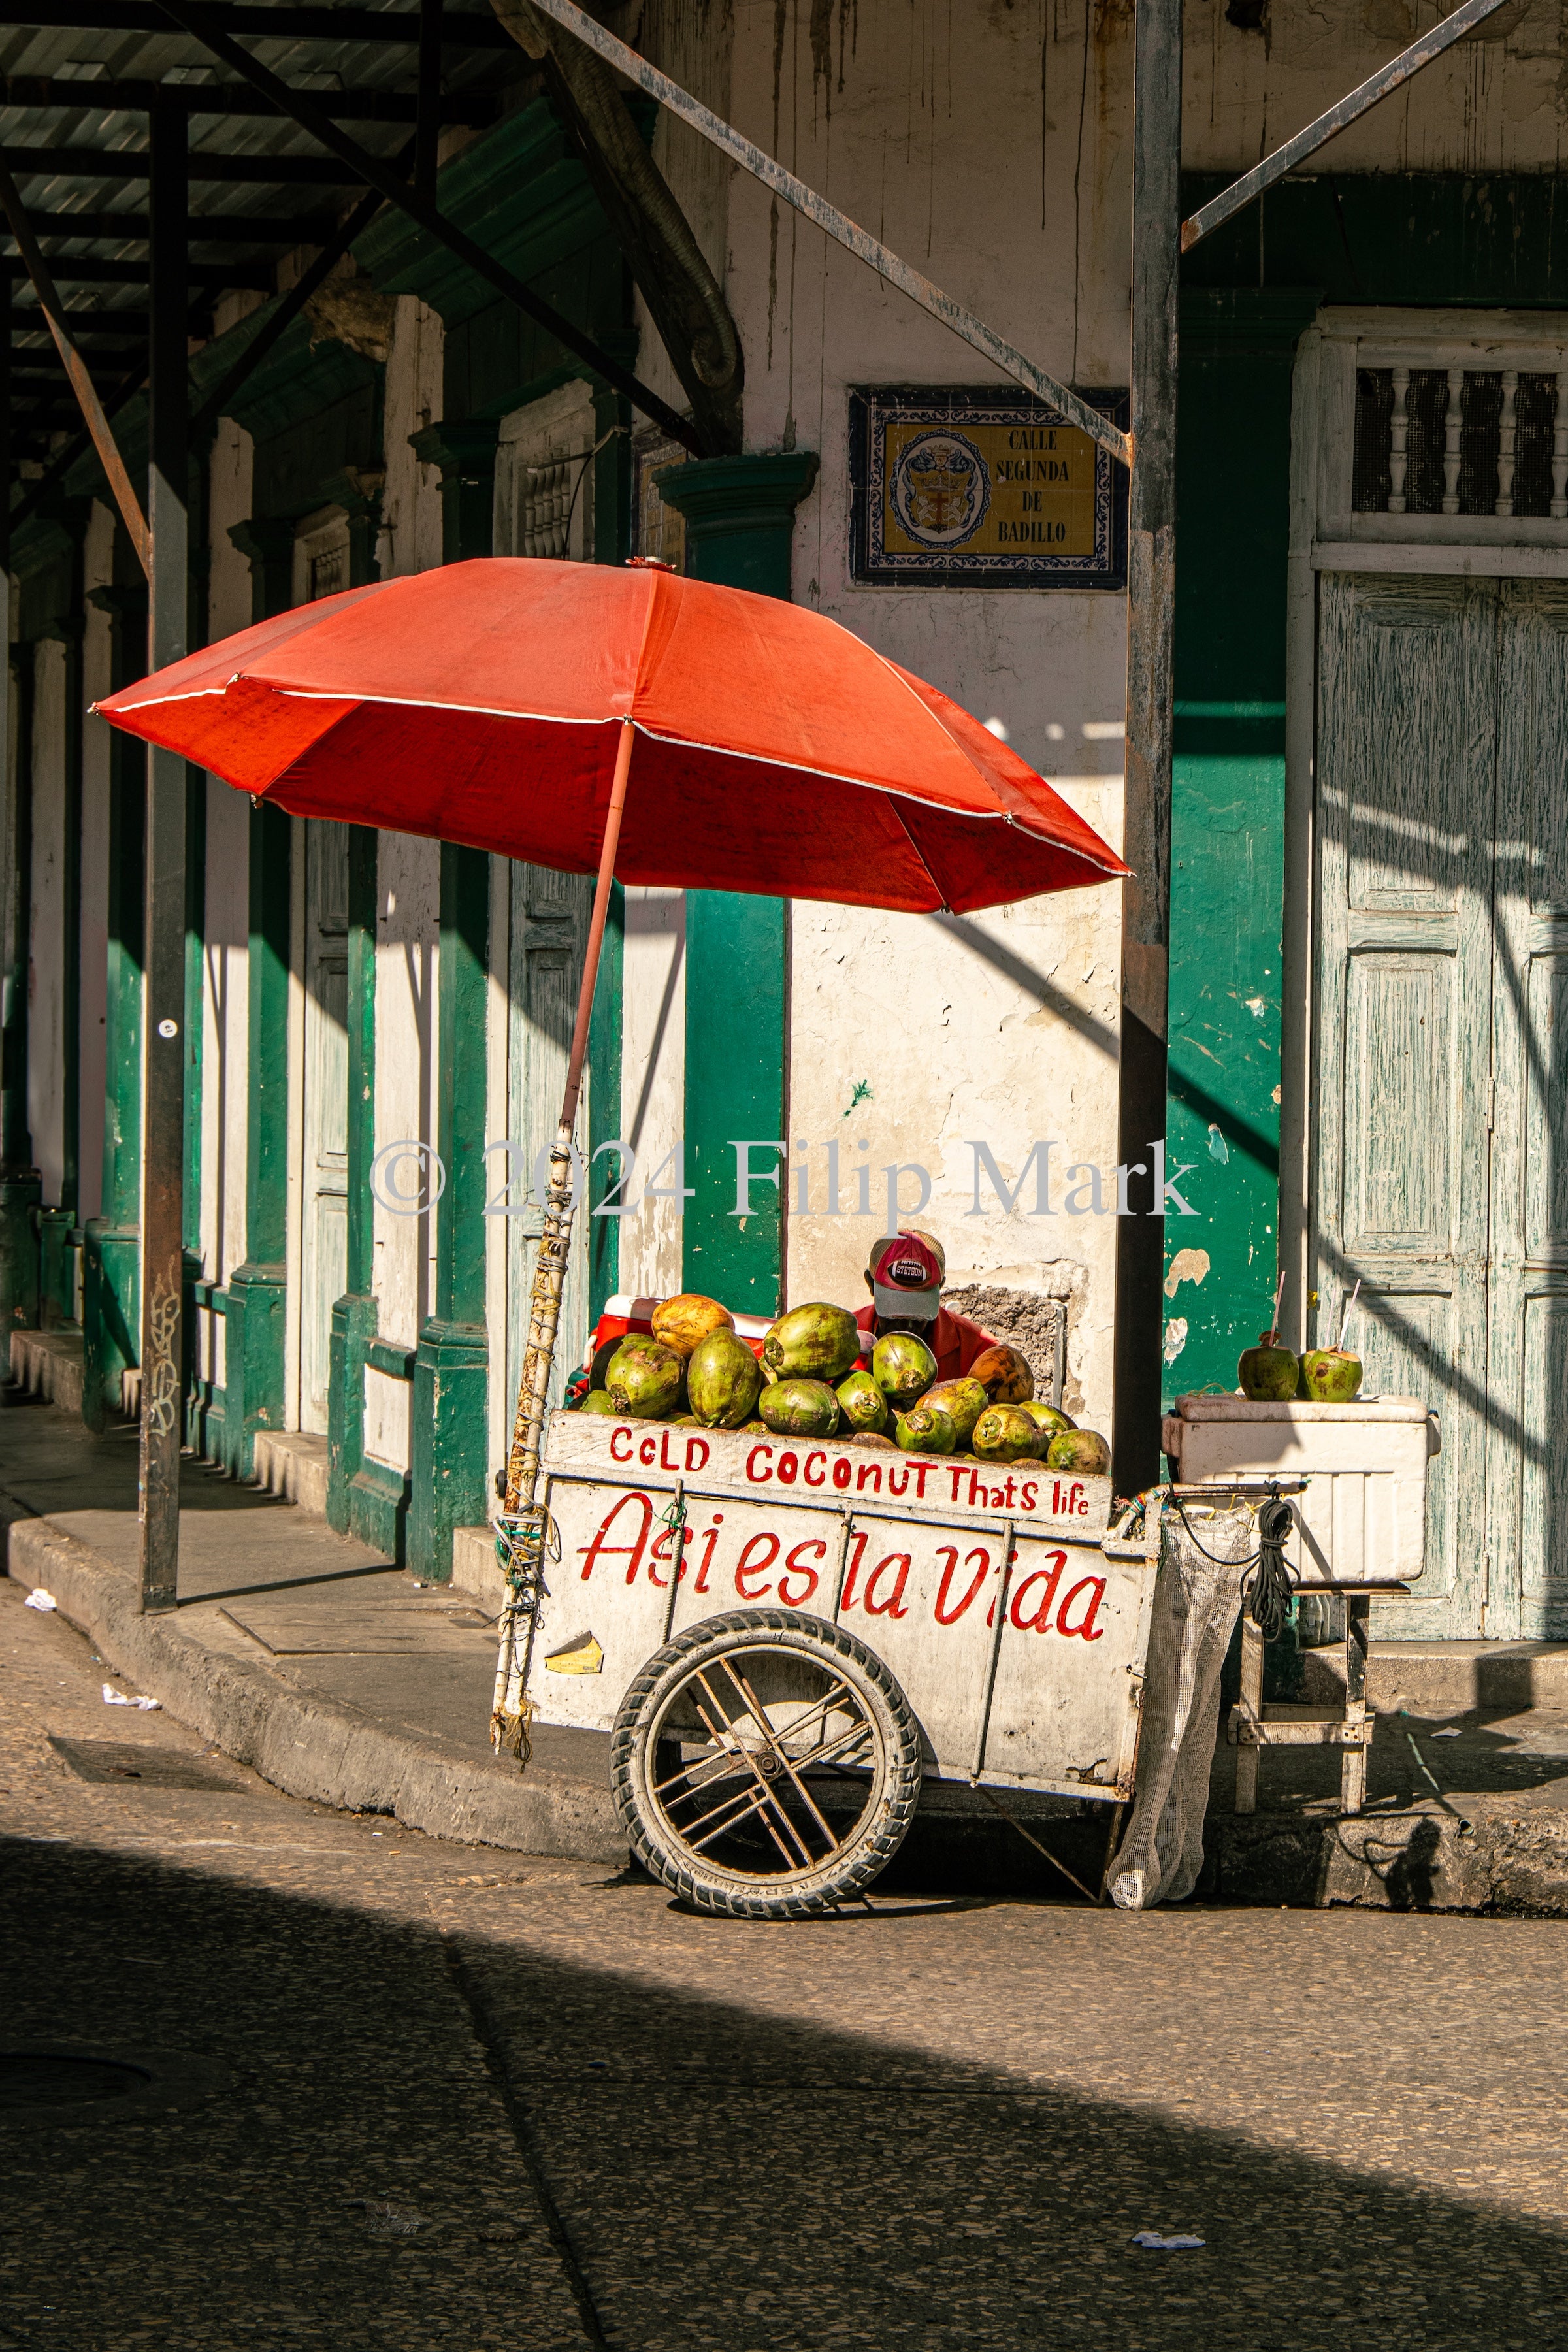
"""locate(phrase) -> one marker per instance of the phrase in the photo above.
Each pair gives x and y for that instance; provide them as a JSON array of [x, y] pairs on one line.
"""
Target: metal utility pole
[[1150, 626], [164, 1021]]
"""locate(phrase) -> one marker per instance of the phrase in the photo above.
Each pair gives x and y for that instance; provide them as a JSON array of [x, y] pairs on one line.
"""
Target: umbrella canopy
[[485, 702]]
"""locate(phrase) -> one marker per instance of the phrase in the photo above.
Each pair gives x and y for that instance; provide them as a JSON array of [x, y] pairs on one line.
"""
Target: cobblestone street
[[410, 2094]]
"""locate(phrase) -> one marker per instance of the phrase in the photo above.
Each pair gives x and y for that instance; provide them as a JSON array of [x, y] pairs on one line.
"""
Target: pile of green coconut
[[695, 1372]]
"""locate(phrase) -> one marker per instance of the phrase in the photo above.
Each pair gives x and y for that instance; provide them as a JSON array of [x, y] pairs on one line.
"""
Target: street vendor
[[904, 1275]]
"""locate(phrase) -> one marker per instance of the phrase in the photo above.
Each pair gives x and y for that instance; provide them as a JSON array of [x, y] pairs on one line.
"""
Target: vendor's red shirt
[[952, 1339]]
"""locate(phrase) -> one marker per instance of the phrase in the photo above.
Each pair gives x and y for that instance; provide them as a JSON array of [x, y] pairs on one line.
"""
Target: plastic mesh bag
[[1197, 1600]]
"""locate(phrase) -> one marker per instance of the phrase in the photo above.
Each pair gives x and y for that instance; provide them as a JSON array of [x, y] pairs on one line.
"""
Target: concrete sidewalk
[[338, 1678], [296, 1650]]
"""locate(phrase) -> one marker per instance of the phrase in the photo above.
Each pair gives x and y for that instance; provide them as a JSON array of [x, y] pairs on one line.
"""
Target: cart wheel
[[766, 1764]]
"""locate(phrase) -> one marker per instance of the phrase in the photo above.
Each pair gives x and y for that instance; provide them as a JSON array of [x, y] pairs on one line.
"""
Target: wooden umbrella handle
[[524, 1539]]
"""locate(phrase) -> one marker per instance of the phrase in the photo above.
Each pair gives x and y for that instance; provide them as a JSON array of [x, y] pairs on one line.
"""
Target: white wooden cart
[[785, 1637]]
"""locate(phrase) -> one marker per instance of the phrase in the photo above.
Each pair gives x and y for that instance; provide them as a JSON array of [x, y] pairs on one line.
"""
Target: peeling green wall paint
[[1228, 824]]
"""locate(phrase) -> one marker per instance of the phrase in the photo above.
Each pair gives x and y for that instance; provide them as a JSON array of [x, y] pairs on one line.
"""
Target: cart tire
[[868, 1750]]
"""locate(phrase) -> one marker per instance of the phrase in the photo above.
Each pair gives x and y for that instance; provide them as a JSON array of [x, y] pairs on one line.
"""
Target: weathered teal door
[[1441, 931]]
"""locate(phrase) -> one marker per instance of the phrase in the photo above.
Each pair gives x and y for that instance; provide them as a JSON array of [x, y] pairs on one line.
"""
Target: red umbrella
[[498, 702], [483, 703]]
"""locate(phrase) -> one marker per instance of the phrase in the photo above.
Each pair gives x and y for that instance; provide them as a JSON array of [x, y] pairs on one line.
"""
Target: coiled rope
[[1265, 1585]]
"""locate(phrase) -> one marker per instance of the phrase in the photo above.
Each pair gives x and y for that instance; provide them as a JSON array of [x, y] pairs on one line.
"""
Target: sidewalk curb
[[1502, 1863], [321, 1749]]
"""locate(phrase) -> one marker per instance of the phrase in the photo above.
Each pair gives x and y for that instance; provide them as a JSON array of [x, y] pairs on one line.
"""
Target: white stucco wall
[[1491, 103], [653, 1084], [1001, 1028]]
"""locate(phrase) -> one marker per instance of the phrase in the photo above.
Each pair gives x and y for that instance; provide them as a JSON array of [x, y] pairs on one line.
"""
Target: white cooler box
[[1362, 1520]]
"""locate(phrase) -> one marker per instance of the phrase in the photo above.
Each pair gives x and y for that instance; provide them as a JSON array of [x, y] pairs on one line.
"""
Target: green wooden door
[[1528, 1467], [1405, 816]]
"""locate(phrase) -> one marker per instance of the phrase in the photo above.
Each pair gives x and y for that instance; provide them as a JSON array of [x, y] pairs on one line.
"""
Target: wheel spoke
[[768, 1796], [747, 1775], [775, 1742]]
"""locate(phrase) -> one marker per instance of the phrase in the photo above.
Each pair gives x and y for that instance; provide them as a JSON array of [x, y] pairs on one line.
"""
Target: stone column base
[[451, 1442]]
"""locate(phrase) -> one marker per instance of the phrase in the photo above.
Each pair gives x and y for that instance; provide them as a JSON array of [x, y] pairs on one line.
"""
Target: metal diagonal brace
[[204, 27], [838, 224], [288, 306], [1381, 85], [81, 383]]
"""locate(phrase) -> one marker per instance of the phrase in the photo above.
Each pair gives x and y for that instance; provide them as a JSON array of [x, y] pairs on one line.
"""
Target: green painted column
[[450, 1464], [451, 1367], [739, 521], [111, 1284], [349, 1510], [254, 1354], [467, 455], [21, 1186], [1227, 844]]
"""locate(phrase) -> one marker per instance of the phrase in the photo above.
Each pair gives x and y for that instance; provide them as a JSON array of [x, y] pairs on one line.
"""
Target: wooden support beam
[[122, 326], [38, 91], [202, 228], [40, 163], [96, 423], [426, 154], [164, 1026], [470, 28], [76, 272], [1146, 834]]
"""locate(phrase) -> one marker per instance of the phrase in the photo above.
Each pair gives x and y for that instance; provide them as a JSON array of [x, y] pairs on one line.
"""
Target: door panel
[[1530, 1212], [1399, 1083], [1407, 701]]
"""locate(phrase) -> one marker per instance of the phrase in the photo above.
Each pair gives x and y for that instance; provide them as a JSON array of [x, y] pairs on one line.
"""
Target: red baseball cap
[[906, 1271]]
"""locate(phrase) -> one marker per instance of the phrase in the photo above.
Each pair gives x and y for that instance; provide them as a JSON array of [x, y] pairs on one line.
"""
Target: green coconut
[[873, 1437], [597, 1401], [861, 1402], [1331, 1375], [1269, 1373], [645, 1380], [1082, 1451], [1048, 1417], [723, 1381], [963, 1400], [903, 1367], [926, 1428], [1005, 1433], [799, 1408], [812, 1343]]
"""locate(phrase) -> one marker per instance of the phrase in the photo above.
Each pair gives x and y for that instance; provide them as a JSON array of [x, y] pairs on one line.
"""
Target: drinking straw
[[1344, 1318]]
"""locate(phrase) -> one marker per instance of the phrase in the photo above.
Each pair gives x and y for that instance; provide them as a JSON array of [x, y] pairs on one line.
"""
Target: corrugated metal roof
[[72, 132]]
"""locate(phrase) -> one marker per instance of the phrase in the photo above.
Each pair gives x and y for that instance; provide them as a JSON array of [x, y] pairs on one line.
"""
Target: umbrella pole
[[520, 1533]]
